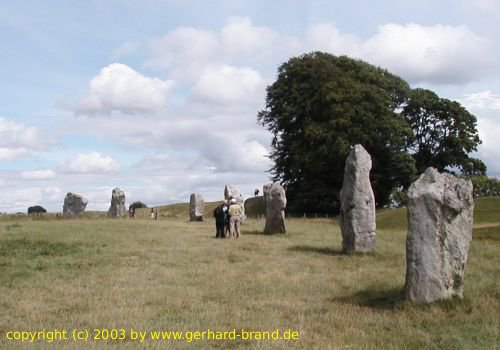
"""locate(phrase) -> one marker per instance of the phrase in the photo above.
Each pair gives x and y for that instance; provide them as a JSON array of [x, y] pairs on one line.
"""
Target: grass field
[[174, 275]]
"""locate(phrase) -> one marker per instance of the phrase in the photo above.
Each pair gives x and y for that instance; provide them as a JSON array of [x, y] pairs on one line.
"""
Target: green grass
[[174, 275], [487, 210]]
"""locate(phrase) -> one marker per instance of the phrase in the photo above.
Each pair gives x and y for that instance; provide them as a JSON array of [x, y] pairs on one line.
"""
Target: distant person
[[225, 207], [220, 215], [152, 215], [235, 212], [131, 211], [156, 214]]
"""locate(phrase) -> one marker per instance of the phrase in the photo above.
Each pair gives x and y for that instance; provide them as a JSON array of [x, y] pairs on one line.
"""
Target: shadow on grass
[[317, 250], [261, 233], [393, 299], [254, 233], [386, 299]]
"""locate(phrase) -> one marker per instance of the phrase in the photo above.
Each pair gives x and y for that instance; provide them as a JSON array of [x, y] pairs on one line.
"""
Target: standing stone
[[117, 208], [74, 205], [230, 191], [196, 207], [275, 201], [440, 217], [357, 203]]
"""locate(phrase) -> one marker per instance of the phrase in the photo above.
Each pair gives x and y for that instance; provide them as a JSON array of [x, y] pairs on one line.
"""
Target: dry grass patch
[[174, 275]]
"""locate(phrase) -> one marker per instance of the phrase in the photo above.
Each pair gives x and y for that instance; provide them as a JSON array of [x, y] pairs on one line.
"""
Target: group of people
[[228, 216]]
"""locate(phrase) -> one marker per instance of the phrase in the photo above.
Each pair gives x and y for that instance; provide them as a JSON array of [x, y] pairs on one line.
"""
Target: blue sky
[[160, 97]]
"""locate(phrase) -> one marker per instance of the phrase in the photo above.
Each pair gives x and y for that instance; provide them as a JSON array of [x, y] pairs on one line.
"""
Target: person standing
[[235, 212], [225, 207], [220, 214]]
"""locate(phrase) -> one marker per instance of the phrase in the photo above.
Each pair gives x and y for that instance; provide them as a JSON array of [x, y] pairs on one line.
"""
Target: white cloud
[[13, 153], [118, 87], [187, 52], [437, 54], [18, 140], [482, 99], [184, 43], [486, 7], [14, 134], [226, 84], [240, 38], [485, 105], [489, 150], [247, 156], [327, 37], [91, 163], [40, 174], [17, 197]]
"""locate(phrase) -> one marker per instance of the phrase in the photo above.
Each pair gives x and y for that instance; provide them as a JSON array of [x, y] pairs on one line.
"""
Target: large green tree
[[444, 133], [318, 107]]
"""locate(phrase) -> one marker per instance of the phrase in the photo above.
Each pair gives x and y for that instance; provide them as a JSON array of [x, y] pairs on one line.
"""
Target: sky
[[160, 98]]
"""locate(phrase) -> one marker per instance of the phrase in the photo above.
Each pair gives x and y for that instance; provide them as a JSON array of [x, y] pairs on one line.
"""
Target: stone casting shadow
[[317, 250], [377, 299]]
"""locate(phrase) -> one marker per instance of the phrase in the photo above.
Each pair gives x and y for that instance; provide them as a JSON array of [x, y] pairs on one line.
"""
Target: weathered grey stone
[[74, 205], [117, 208], [275, 201], [357, 203], [230, 191], [440, 218], [196, 207]]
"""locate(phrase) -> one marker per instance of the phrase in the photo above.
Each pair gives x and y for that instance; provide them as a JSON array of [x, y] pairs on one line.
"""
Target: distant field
[[174, 275]]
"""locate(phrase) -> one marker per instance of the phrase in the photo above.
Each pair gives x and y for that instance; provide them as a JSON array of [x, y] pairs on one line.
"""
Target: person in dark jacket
[[220, 215], [225, 207]]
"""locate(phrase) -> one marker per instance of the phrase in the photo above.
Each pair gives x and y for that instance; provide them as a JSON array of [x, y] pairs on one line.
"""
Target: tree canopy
[[444, 133], [137, 204], [320, 106]]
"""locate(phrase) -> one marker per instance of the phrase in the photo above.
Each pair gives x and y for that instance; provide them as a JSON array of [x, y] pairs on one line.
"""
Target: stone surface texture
[[357, 203], [196, 207], [440, 219], [275, 201], [74, 205], [117, 208]]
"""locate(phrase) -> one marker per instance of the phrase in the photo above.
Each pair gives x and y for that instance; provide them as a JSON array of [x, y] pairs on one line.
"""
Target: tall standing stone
[[74, 205], [357, 203], [230, 191], [196, 207], [440, 218], [275, 201], [117, 208]]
